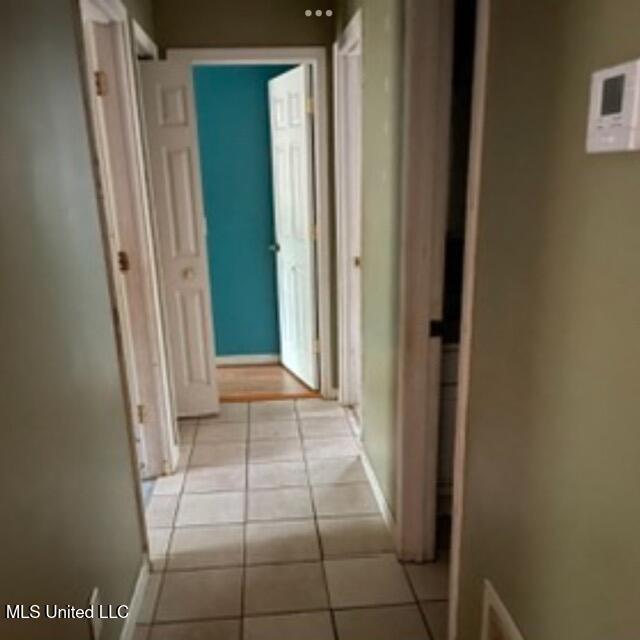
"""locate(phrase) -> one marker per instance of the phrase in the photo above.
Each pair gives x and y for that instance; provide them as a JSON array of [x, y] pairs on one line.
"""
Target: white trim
[[316, 57], [152, 365], [378, 494], [144, 45], [104, 11], [239, 361], [429, 26], [137, 598], [492, 602], [468, 297], [348, 207]]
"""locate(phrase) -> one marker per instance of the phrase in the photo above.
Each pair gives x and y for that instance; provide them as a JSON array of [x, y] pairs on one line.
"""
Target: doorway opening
[[253, 127], [243, 196]]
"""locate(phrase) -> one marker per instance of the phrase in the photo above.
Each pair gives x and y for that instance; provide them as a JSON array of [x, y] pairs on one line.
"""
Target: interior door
[[292, 162], [100, 59], [179, 212], [348, 144]]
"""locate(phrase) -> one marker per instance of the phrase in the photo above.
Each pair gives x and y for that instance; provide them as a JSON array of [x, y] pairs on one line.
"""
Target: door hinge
[[316, 346], [311, 106], [141, 413], [100, 80], [314, 231], [124, 264]]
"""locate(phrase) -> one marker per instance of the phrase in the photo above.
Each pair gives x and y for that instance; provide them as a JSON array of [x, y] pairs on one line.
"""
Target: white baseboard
[[496, 619], [259, 358], [390, 521], [137, 597]]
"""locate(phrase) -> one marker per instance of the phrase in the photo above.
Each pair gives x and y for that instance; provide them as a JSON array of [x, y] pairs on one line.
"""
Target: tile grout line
[[243, 581], [423, 617], [292, 612], [165, 564], [298, 420], [332, 617]]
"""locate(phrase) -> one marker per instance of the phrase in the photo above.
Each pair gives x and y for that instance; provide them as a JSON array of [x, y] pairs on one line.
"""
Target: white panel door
[[292, 162], [118, 211], [177, 190]]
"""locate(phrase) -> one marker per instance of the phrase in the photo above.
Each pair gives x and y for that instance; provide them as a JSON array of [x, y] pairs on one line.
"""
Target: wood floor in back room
[[260, 382]]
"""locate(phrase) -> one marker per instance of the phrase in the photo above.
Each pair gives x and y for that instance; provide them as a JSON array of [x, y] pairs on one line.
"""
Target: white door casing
[[112, 96], [293, 193], [100, 60], [429, 30], [348, 172], [181, 225]]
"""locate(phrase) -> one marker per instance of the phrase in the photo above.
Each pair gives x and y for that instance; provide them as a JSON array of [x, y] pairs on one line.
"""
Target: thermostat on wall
[[614, 112]]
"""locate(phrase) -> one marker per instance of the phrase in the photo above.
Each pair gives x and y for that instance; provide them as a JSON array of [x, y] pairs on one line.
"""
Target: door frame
[[348, 221], [429, 28], [163, 454], [315, 57], [476, 148]]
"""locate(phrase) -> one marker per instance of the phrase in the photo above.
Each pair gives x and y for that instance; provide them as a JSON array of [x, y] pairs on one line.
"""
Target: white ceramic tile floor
[[282, 542], [222, 432], [161, 511], [325, 428], [222, 454], [344, 537], [285, 587], [158, 547], [210, 630], [210, 508], [201, 547], [283, 450], [274, 430], [331, 448], [344, 500], [437, 615], [169, 485], [295, 626], [198, 595], [336, 471], [277, 474], [209, 479], [273, 533], [383, 623], [361, 582], [430, 580], [280, 504]]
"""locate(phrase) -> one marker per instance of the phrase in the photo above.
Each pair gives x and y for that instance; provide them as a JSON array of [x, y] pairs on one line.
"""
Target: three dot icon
[[318, 12]]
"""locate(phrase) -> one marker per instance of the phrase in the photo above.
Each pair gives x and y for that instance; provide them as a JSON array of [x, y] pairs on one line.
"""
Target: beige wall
[[142, 12], [382, 58], [552, 515], [252, 23], [69, 519]]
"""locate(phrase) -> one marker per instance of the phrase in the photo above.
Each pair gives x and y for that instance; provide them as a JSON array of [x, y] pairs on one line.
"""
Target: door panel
[[177, 189], [119, 215], [291, 131]]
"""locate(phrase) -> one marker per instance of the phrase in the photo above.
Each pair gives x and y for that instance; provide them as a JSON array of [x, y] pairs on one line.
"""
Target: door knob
[[188, 273], [275, 247]]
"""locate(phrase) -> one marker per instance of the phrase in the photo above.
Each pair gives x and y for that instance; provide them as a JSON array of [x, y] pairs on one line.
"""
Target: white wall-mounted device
[[614, 111]]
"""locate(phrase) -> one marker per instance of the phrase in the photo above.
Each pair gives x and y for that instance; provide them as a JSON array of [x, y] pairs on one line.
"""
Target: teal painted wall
[[233, 130]]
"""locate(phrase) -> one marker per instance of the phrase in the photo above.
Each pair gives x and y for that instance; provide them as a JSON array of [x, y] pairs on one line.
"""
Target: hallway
[[271, 531]]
